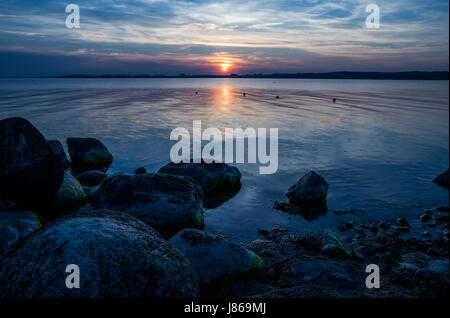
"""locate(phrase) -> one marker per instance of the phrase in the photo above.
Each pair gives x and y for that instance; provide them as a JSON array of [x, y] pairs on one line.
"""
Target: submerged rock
[[88, 154], [442, 179], [140, 170], [213, 257], [309, 192], [91, 178], [69, 197], [30, 173], [15, 226], [58, 150], [213, 177], [166, 202], [118, 256]]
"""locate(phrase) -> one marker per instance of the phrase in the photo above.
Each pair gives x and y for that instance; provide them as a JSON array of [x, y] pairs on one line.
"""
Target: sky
[[221, 37]]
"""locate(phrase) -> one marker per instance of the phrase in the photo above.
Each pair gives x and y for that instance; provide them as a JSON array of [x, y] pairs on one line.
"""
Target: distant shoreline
[[329, 75]]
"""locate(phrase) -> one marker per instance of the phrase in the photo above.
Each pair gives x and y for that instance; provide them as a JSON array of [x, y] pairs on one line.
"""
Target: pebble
[[402, 221]]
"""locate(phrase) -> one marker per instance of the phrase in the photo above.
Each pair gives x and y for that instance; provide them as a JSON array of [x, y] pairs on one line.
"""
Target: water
[[379, 146]]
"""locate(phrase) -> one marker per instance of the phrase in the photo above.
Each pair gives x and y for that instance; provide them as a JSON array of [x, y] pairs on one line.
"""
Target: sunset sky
[[220, 36]]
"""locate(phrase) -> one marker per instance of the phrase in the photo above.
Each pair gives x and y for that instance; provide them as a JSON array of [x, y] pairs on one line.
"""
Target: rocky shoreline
[[141, 235]]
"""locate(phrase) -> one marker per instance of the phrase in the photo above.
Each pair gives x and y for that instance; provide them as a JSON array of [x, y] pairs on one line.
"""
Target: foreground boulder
[[213, 257], [69, 197], [167, 203], [58, 150], [118, 256], [15, 226], [30, 173], [213, 177], [91, 178], [442, 179], [88, 154], [309, 192]]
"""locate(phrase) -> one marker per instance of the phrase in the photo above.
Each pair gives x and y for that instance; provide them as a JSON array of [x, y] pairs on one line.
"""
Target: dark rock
[[419, 259], [140, 170], [30, 173], [213, 177], [213, 257], [374, 229], [118, 256], [402, 222], [403, 229], [441, 219], [282, 206], [385, 226], [91, 178], [351, 211], [442, 179], [88, 154], [425, 217], [433, 251], [15, 226], [310, 191], [58, 150], [349, 224], [69, 197], [311, 272], [426, 233], [166, 202], [442, 208]]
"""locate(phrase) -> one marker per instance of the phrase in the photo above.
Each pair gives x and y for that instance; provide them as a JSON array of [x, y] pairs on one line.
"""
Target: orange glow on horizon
[[225, 66]]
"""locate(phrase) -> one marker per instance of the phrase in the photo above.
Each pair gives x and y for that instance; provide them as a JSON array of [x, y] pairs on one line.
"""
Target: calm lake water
[[379, 146]]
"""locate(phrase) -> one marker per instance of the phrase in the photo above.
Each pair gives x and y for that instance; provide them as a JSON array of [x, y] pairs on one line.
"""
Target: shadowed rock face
[[213, 177], [213, 257], [30, 173], [15, 226], [58, 150], [166, 202], [91, 178], [69, 196], [88, 154], [442, 179], [310, 191], [118, 256]]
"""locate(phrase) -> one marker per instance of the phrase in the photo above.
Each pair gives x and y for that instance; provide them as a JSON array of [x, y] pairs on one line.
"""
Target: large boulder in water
[[309, 192], [30, 173], [213, 177], [14, 227], [117, 255], [167, 203], [58, 150], [442, 179], [88, 154], [213, 257]]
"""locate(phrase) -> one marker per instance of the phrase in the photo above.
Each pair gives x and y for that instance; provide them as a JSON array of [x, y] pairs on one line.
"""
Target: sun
[[225, 66]]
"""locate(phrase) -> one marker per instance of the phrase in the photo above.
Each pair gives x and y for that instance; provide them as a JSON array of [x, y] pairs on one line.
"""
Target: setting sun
[[225, 67]]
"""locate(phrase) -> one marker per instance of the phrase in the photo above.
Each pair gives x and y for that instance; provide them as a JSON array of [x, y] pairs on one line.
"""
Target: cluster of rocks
[[141, 234], [114, 227], [324, 264]]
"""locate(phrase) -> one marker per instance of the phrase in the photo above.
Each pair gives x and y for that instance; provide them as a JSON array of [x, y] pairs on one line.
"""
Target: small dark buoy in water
[[196, 93], [278, 97], [243, 94], [334, 100]]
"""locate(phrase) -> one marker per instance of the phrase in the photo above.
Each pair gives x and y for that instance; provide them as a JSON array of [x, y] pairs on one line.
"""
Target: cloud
[[255, 35]]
